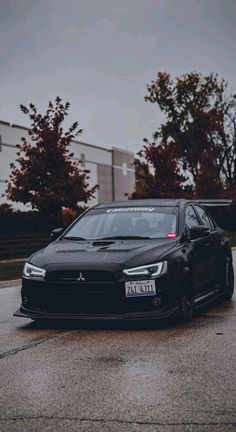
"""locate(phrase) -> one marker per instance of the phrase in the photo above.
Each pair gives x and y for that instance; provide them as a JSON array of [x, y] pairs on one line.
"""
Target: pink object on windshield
[[171, 235]]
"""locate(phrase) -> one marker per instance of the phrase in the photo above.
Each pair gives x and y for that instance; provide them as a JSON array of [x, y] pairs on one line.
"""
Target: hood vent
[[102, 243]]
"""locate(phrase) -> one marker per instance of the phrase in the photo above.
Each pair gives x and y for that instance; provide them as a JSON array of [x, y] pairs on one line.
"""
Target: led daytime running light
[[147, 270], [33, 272]]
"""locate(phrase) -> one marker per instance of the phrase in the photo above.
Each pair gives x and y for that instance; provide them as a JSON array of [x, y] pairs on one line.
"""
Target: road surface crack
[[120, 421], [28, 346]]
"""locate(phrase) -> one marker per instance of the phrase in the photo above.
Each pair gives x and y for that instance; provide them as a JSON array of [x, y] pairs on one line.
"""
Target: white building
[[112, 169]]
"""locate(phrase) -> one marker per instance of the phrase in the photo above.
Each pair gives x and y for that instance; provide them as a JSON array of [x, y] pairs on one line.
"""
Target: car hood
[[112, 255]]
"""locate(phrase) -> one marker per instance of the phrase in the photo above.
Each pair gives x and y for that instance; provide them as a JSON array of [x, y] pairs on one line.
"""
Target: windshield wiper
[[123, 238], [74, 238]]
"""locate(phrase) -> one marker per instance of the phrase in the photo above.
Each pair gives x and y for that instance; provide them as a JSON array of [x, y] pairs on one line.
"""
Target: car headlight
[[152, 270], [32, 272]]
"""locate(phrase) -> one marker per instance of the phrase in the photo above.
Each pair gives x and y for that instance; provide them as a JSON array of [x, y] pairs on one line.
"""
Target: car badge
[[81, 278]]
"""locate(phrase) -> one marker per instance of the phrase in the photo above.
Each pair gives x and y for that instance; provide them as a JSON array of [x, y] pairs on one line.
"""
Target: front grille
[[82, 288], [80, 276], [87, 303]]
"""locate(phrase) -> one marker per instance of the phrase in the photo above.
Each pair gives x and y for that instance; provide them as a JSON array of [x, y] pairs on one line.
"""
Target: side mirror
[[56, 233], [198, 231]]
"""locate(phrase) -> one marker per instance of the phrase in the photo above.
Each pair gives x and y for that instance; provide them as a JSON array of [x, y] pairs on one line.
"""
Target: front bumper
[[100, 300], [132, 316]]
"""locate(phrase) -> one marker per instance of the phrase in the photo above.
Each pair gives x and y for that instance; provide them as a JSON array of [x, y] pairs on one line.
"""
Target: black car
[[136, 259]]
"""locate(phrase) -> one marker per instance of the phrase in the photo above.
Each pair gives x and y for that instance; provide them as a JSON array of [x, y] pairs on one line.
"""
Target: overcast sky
[[100, 54]]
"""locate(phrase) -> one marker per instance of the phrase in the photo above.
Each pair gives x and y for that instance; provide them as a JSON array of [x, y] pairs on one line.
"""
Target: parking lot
[[117, 377]]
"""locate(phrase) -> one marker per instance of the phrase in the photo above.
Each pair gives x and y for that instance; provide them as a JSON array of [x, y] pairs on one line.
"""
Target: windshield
[[125, 222]]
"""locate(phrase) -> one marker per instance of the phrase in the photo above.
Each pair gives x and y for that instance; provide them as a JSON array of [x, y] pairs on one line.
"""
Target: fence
[[22, 245]]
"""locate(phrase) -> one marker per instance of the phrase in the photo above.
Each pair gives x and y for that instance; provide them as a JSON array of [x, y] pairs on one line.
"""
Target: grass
[[11, 269]]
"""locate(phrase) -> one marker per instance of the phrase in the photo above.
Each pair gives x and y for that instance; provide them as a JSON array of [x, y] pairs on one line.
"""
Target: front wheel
[[186, 303], [186, 300], [229, 280], [186, 308]]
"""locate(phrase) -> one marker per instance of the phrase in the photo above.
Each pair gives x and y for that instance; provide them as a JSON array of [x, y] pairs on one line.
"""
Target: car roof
[[167, 202], [142, 203]]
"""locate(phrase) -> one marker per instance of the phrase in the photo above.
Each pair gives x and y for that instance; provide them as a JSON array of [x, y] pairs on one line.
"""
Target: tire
[[186, 302], [229, 280]]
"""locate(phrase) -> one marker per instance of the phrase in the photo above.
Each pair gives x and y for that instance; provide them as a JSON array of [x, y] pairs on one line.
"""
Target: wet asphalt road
[[118, 378]]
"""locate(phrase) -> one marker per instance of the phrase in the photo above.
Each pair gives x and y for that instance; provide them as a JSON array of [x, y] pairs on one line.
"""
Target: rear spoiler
[[214, 202]]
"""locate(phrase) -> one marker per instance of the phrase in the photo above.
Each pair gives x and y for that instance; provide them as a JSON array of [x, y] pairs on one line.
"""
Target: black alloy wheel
[[229, 280], [186, 302]]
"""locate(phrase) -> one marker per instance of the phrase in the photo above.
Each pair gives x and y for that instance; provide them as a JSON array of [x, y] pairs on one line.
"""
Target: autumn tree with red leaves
[[158, 174], [200, 126], [44, 174]]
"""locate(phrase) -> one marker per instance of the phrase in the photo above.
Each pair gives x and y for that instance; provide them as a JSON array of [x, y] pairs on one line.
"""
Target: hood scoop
[[102, 243]]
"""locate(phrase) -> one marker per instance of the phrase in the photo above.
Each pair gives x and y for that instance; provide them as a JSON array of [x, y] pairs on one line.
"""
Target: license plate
[[141, 288]]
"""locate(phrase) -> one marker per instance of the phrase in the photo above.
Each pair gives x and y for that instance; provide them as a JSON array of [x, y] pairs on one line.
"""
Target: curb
[[10, 283], [13, 260]]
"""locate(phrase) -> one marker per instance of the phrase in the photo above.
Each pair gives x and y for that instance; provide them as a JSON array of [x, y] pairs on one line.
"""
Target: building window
[[124, 168]]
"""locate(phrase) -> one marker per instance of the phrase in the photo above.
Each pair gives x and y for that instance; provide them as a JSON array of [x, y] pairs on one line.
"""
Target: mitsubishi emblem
[[81, 278]]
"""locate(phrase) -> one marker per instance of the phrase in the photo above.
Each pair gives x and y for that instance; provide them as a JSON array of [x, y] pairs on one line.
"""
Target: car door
[[214, 244], [202, 266]]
